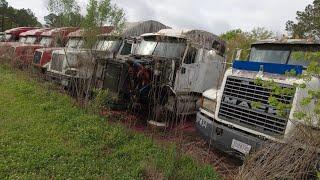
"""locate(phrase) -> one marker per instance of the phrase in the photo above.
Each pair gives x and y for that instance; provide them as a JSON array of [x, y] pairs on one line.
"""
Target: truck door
[[187, 75]]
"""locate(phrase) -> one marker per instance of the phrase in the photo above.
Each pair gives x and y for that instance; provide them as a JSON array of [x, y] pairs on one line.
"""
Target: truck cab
[[51, 40], [238, 118], [73, 61], [112, 67], [170, 70], [23, 52], [12, 37]]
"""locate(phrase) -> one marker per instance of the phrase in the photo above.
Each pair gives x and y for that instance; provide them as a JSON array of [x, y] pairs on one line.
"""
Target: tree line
[[11, 17]]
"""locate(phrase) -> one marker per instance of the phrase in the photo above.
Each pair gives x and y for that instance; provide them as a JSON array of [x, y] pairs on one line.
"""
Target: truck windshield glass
[[75, 43], [303, 58], [22, 39], [8, 37], [289, 55], [264, 55], [46, 41], [162, 49], [31, 40], [107, 45]]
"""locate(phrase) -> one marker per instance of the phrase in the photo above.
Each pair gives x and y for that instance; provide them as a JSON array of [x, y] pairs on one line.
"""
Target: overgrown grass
[[43, 135]]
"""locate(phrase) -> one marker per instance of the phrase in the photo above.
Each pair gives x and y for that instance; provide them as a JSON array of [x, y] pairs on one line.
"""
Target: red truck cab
[[51, 40], [12, 35], [23, 52]]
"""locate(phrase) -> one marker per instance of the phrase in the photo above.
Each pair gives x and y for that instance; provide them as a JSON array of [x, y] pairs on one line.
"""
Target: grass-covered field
[[43, 135]]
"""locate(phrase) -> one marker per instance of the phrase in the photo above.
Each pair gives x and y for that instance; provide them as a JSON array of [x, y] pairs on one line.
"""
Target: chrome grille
[[236, 106], [57, 62], [37, 57]]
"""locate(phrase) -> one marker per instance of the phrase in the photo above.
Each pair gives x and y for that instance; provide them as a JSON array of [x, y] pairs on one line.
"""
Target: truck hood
[[279, 78], [211, 94]]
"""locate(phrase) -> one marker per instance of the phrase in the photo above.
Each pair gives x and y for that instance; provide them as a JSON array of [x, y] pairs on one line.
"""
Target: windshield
[[75, 43], [31, 40], [162, 49], [46, 41], [269, 55], [108, 45], [22, 39], [8, 37], [287, 55]]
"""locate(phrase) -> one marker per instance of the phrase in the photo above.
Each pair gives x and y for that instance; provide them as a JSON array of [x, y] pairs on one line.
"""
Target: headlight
[[209, 104]]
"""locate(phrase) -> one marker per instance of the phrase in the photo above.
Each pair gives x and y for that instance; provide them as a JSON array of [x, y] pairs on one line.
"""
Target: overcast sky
[[216, 16]]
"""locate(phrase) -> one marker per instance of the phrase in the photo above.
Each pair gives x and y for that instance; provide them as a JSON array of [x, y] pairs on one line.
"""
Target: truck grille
[[237, 106], [57, 62], [37, 57], [112, 76]]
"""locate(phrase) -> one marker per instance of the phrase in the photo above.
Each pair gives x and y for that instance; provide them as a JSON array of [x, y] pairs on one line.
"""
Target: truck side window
[[126, 50], [191, 56]]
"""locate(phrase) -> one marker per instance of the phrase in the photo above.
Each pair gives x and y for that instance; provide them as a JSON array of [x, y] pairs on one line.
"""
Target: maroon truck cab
[[52, 40], [23, 52], [12, 35]]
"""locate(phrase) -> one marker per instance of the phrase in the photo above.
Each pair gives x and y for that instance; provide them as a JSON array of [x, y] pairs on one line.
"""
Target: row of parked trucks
[[153, 68]]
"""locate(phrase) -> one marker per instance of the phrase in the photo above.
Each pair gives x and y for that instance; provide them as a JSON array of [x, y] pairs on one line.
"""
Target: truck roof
[[34, 32], [19, 30], [136, 29], [200, 37], [57, 31], [288, 42], [80, 32]]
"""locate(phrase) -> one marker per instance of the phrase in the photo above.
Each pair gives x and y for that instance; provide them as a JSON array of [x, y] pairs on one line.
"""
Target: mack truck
[[168, 72], [238, 118], [51, 40]]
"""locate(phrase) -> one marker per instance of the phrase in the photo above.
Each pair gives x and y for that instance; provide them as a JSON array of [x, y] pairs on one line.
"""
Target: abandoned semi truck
[[73, 60], [169, 71], [23, 52], [112, 68], [238, 118], [11, 37], [81, 66], [51, 40]]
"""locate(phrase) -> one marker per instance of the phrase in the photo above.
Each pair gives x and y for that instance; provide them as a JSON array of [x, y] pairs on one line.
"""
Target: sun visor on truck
[[267, 67]]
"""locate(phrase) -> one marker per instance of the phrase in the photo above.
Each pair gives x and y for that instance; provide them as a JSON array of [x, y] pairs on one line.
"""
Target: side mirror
[[237, 54]]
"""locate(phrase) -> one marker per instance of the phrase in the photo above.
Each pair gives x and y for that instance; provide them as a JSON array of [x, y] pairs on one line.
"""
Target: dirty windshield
[[46, 41], [22, 39], [8, 37], [31, 40], [108, 45], [163, 48], [284, 55], [75, 43]]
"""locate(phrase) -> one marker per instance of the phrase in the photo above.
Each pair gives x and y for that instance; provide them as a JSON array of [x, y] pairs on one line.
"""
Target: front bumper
[[221, 136], [59, 78]]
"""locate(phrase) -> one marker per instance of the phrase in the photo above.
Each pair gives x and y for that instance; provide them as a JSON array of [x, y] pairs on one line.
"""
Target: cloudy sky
[[216, 16]]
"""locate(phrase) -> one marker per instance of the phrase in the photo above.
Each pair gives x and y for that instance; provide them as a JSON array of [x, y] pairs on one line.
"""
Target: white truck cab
[[228, 118]]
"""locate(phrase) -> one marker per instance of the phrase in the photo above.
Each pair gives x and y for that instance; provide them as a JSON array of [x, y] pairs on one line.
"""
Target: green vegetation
[[43, 135], [307, 22], [11, 17]]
